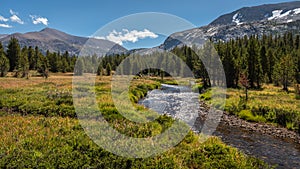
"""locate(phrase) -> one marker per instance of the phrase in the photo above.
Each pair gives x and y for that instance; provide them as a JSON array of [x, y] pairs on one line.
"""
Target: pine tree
[[264, 60], [297, 42], [31, 58], [43, 68], [36, 58], [13, 53], [64, 65], [284, 71], [4, 62], [254, 63], [100, 70], [228, 64], [270, 65], [23, 64], [53, 61], [79, 67], [108, 69], [66, 62]]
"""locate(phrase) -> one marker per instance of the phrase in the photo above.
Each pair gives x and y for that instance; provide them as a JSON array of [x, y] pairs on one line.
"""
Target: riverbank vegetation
[[270, 104], [39, 129]]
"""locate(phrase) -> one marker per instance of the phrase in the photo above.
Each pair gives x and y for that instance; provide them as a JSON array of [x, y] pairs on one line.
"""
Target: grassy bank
[[269, 105], [39, 129]]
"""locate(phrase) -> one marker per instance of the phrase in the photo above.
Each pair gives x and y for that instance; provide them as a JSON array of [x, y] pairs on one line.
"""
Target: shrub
[[206, 95], [290, 126], [247, 115]]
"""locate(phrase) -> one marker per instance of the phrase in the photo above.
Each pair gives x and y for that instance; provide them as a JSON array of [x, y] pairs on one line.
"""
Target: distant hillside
[[57, 41]]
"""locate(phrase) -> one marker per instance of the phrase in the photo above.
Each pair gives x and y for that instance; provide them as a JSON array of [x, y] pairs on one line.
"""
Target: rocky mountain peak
[[289, 11]]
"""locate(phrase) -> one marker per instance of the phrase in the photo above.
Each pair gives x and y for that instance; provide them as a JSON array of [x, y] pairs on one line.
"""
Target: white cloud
[[3, 19], [39, 20], [14, 17], [128, 36], [13, 12], [5, 25]]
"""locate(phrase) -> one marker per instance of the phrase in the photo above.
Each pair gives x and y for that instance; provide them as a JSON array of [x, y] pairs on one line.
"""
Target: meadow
[[39, 129]]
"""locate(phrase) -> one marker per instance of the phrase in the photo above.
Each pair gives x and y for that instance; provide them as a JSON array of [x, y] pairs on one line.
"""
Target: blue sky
[[84, 18]]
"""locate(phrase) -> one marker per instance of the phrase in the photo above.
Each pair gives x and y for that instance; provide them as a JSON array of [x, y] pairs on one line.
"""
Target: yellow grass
[[270, 95]]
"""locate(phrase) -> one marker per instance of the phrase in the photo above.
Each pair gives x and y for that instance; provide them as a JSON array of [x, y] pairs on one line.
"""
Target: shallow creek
[[181, 103]]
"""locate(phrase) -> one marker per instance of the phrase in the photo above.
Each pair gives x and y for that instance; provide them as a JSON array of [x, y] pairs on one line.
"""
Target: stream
[[181, 103]]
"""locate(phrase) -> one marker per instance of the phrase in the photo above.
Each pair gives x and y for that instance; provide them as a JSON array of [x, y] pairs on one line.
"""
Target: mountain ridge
[[285, 17], [256, 13], [58, 41]]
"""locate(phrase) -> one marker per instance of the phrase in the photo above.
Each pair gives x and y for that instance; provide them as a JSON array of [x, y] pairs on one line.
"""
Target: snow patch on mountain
[[296, 11], [237, 18], [212, 31], [285, 14], [289, 15], [278, 14]]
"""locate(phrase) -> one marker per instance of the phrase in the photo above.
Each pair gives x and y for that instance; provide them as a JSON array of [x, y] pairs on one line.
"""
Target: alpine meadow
[[248, 119]]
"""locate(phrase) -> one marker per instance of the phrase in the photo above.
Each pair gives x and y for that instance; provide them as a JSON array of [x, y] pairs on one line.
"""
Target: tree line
[[269, 59], [21, 60], [255, 60]]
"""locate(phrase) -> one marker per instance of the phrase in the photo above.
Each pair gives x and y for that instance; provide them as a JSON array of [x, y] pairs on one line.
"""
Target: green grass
[[55, 142], [39, 130], [269, 105], [46, 101]]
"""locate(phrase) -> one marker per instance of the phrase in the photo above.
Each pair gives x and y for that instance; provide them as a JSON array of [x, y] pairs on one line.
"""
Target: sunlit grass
[[270, 96], [269, 104]]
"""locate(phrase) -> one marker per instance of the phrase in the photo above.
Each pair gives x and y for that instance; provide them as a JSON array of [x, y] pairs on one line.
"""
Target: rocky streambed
[[268, 129], [276, 146]]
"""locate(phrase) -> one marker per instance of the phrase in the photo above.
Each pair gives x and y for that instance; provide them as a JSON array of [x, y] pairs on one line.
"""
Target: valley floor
[[39, 129]]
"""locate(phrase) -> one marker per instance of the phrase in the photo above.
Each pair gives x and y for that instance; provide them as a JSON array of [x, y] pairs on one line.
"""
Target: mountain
[[258, 20], [273, 19], [2, 35], [288, 12], [57, 41]]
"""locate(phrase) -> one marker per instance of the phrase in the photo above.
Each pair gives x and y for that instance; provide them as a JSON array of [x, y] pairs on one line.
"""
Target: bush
[[247, 115], [283, 117], [206, 95]]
